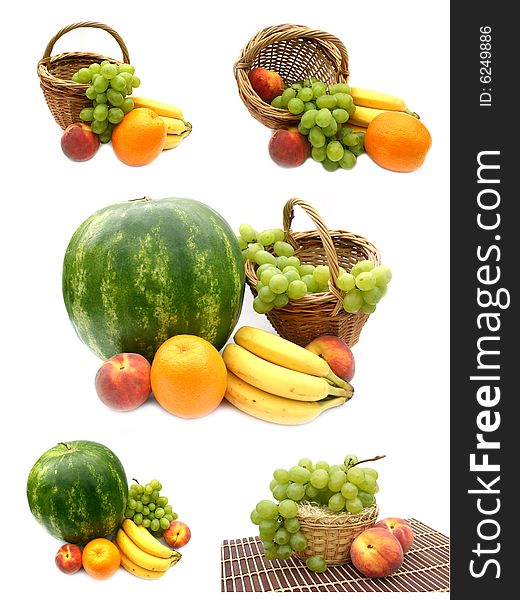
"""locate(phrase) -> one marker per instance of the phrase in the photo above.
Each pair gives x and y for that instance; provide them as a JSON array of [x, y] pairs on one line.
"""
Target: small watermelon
[[139, 272], [78, 491]]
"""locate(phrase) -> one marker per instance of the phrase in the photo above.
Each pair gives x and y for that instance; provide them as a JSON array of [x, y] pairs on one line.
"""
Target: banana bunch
[[369, 104], [177, 128], [142, 554], [276, 380]]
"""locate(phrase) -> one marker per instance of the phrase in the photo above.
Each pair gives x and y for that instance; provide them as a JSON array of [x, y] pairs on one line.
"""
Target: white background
[[216, 468]]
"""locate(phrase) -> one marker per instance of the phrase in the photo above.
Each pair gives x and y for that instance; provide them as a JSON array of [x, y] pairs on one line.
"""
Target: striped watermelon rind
[[78, 491], [139, 272]]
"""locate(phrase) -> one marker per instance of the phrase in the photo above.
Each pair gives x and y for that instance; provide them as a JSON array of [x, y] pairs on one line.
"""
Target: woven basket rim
[[325, 518]]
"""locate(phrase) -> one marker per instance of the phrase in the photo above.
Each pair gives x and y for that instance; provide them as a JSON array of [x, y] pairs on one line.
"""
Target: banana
[[145, 540], [372, 99], [174, 139], [139, 556], [137, 570], [161, 108], [176, 126], [364, 115], [275, 409], [277, 380], [282, 352], [355, 128]]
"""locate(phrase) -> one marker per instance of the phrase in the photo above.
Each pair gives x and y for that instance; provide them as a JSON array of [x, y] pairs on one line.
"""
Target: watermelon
[[139, 272], [78, 491]]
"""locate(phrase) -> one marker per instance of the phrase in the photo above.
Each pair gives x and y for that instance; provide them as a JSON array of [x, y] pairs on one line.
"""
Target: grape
[[277, 102], [336, 502], [281, 475], [348, 160], [292, 525], [288, 509], [330, 165], [306, 269], [91, 93], [101, 99], [129, 513], [261, 307], [345, 101], [99, 126], [356, 475], [128, 105], [349, 491], [281, 300], [361, 266], [115, 115], [303, 130], [278, 284], [305, 94], [324, 117], [336, 480], [309, 118], [299, 474], [100, 84], [370, 471], [271, 553], [382, 274], [255, 517], [83, 75], [319, 478], [136, 82], [263, 257], [316, 564], [267, 274], [365, 281], [340, 115], [318, 89], [87, 114], [279, 234], [266, 238], [146, 523], [155, 525], [334, 151], [366, 499], [326, 101], [368, 484], [284, 552], [298, 541], [290, 275], [75, 77], [283, 249], [94, 68], [316, 137], [282, 536], [346, 282], [372, 296], [247, 232], [296, 290], [138, 518], [280, 491], [296, 86], [267, 509], [354, 506], [321, 274], [336, 88], [356, 150], [310, 106], [253, 249], [114, 98], [281, 262], [164, 523], [331, 129], [287, 94], [109, 71], [127, 77], [151, 506], [295, 106], [319, 154], [353, 301], [126, 68], [266, 294], [310, 491], [311, 284], [100, 112], [293, 261], [350, 460], [295, 491]]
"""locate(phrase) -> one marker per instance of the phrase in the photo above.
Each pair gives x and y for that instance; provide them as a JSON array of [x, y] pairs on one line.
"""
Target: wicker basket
[[330, 534], [64, 97], [295, 52], [320, 313]]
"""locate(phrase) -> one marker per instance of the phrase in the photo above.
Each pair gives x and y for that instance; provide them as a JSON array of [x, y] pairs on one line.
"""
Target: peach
[[68, 558], [289, 148], [336, 353], [400, 528], [177, 535], [123, 381], [266, 83], [376, 552], [79, 142]]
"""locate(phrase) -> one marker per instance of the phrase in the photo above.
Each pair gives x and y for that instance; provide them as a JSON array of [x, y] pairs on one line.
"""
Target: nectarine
[[336, 353], [68, 559], [400, 528], [123, 381], [177, 535], [376, 552], [266, 83], [289, 148], [79, 142]]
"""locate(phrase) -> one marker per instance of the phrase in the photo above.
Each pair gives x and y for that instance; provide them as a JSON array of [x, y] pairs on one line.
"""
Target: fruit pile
[[282, 277], [346, 487], [337, 123], [139, 128], [275, 380], [78, 492]]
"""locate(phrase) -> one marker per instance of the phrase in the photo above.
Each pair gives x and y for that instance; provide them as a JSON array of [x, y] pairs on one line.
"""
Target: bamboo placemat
[[425, 569]]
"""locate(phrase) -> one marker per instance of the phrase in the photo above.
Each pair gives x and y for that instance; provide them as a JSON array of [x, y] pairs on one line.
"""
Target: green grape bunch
[[342, 488], [146, 506], [109, 87], [324, 113], [283, 278]]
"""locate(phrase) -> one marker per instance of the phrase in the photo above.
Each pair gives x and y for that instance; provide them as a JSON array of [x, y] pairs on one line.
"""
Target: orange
[[139, 138], [101, 558], [188, 376], [397, 141]]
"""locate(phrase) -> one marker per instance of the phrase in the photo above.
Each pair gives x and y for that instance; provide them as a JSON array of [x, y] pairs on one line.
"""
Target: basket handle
[[113, 33], [328, 244]]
